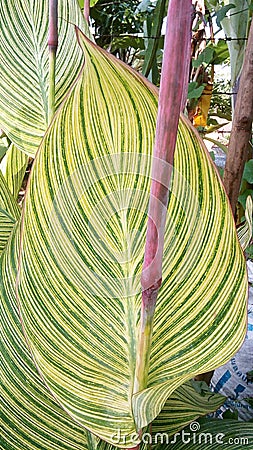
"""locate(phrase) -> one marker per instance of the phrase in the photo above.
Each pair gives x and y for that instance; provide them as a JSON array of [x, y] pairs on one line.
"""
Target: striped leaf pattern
[[184, 406], [3, 147], [84, 223], [13, 168], [31, 419], [9, 212], [24, 66]]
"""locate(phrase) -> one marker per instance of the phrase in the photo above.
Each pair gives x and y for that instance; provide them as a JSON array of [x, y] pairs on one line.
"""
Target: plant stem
[[176, 52], [238, 146], [86, 10], [52, 47]]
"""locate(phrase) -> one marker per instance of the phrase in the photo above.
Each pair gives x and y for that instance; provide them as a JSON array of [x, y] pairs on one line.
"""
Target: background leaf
[[24, 66], [248, 171], [13, 168], [9, 212], [235, 27]]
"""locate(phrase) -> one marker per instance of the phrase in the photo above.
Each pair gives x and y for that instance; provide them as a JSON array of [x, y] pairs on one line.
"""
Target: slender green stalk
[[156, 28], [175, 62], [145, 338], [52, 47]]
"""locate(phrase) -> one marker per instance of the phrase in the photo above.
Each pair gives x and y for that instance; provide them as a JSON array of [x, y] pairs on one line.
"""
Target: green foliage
[[153, 28], [3, 147], [221, 53], [243, 197], [248, 172], [116, 19], [194, 90], [222, 13], [247, 183], [204, 57]]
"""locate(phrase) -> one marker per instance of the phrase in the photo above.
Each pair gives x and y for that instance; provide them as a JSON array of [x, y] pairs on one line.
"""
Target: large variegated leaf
[[9, 212], [24, 66], [31, 419], [84, 226], [13, 168]]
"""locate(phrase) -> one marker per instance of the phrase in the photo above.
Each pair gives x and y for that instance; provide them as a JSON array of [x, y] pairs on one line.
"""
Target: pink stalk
[[86, 10], [52, 47], [175, 64]]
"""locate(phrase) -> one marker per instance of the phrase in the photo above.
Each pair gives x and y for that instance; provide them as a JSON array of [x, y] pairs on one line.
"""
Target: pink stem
[[173, 78], [53, 27], [86, 10], [175, 63]]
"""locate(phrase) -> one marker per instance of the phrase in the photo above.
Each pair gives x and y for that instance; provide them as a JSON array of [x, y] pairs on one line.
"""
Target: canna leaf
[[86, 226], [3, 147], [184, 406], [24, 66], [13, 168], [31, 419], [9, 212]]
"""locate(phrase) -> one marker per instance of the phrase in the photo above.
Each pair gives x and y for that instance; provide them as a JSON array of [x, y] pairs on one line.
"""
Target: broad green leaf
[[245, 230], [13, 168], [248, 171], [9, 212], [194, 90], [24, 66], [221, 52], [31, 419], [210, 435], [204, 57], [85, 226]]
